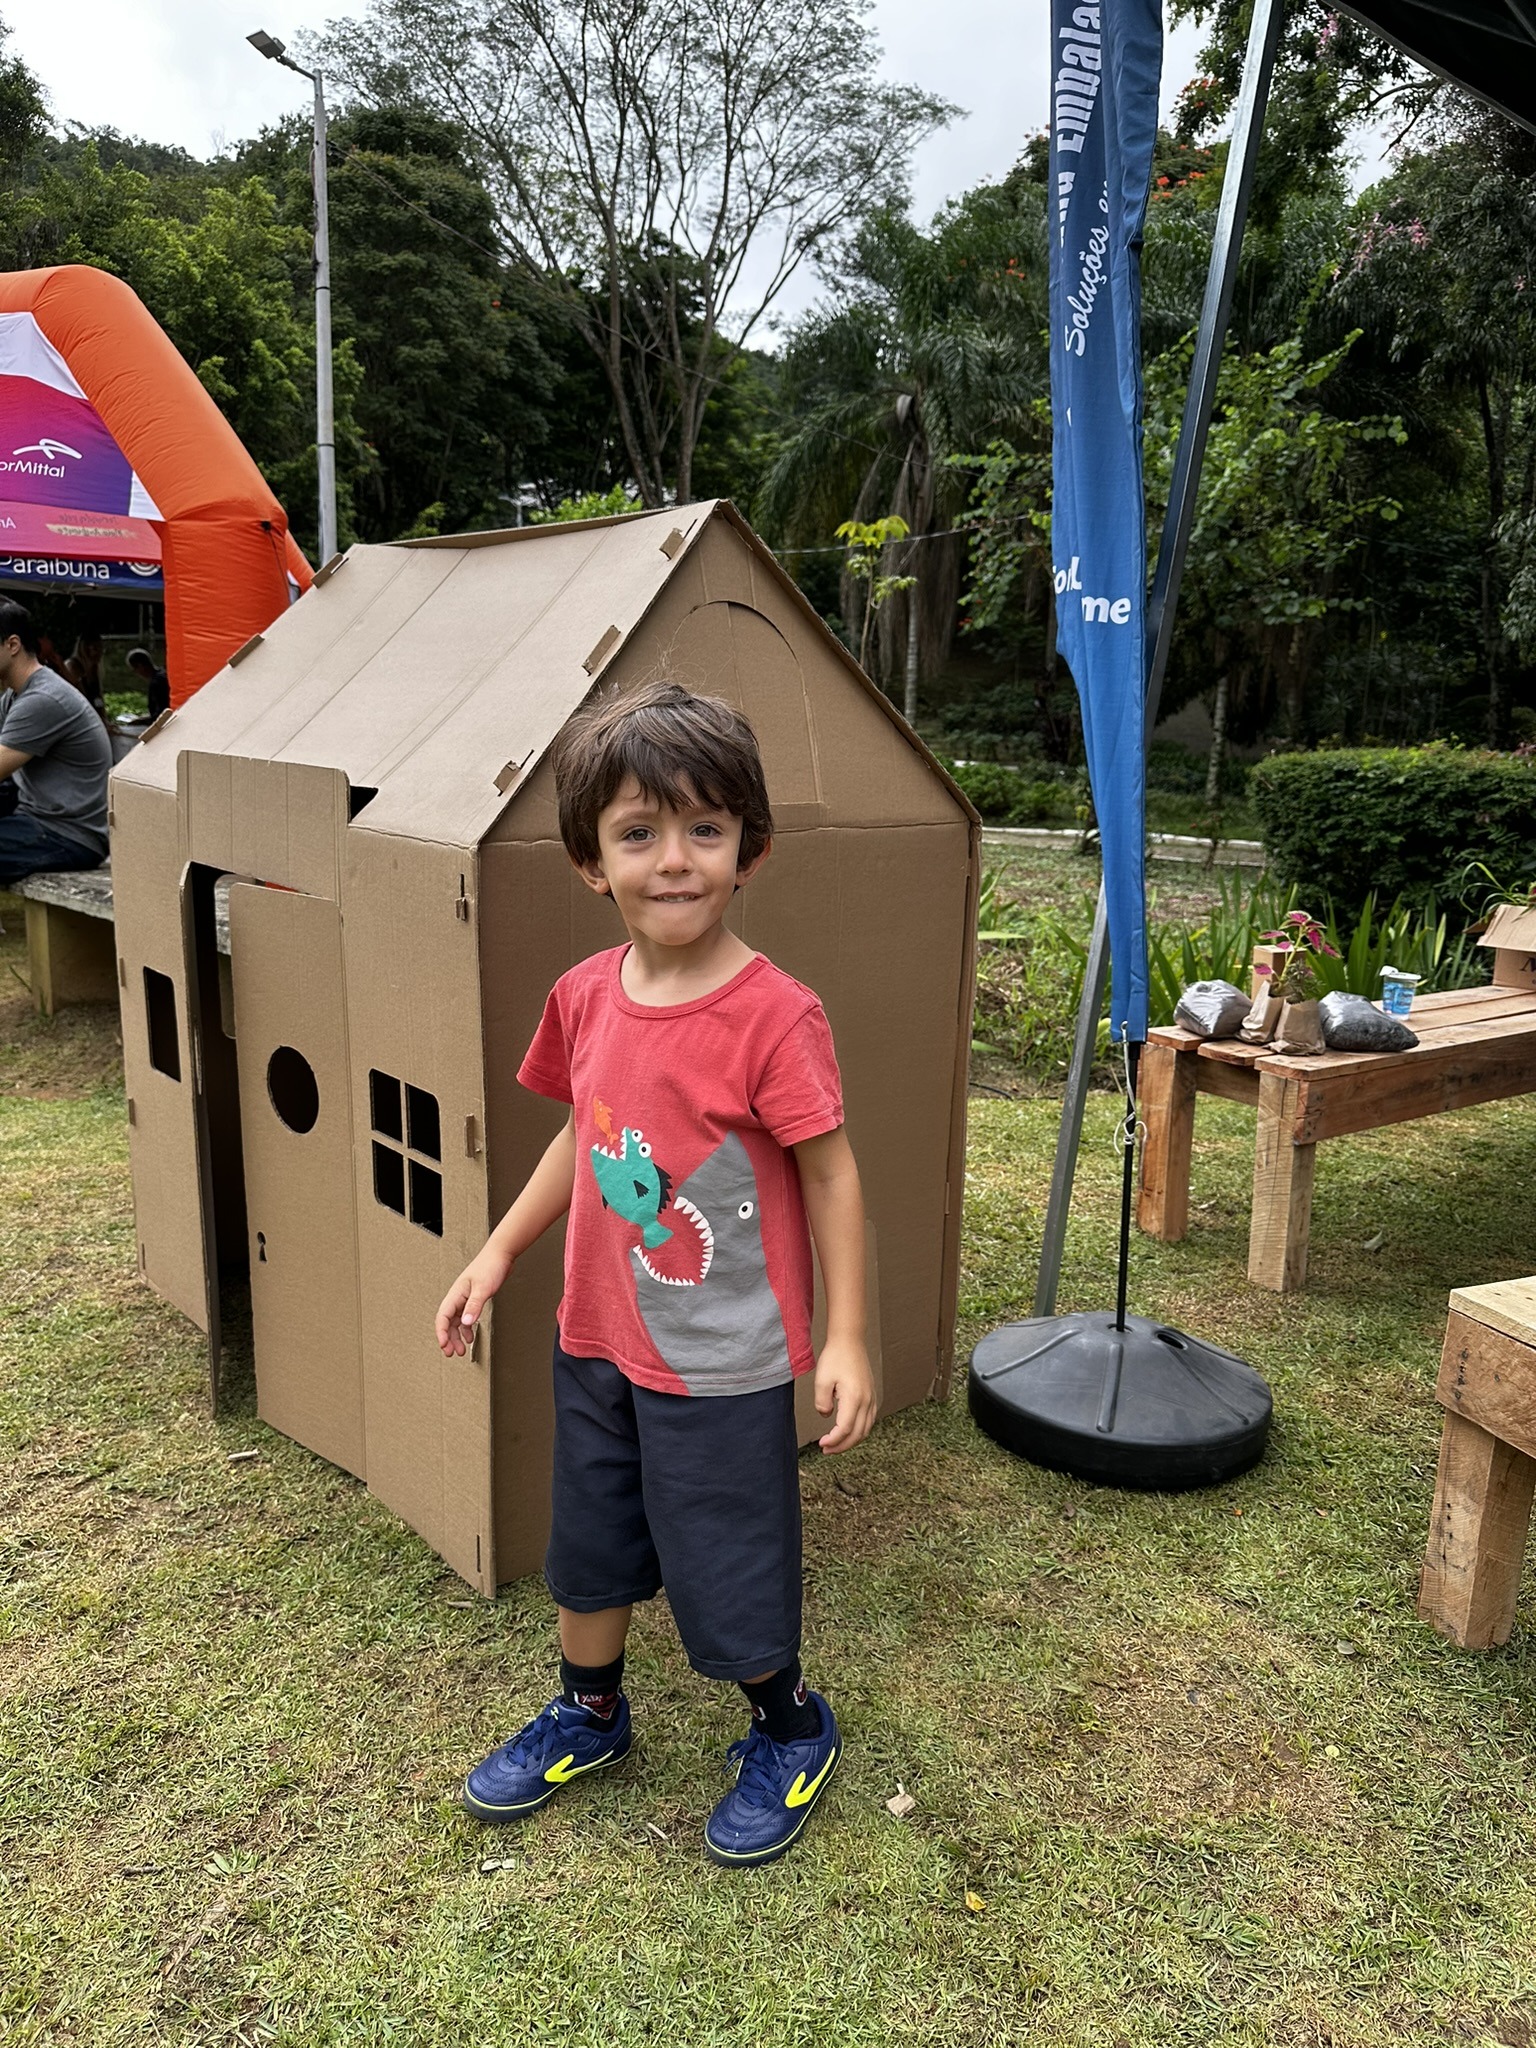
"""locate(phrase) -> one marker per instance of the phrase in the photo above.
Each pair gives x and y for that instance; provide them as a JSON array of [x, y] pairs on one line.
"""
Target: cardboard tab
[[601, 651]]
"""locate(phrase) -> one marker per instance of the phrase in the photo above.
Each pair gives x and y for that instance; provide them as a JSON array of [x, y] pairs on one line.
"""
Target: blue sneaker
[[562, 1743], [776, 1790]]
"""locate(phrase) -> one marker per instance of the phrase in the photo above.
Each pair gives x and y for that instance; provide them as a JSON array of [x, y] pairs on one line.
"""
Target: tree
[[460, 359], [661, 167], [1285, 501], [933, 344], [1442, 271], [23, 108], [224, 277]]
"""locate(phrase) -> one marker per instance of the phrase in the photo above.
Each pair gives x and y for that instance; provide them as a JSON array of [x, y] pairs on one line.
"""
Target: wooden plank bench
[[1487, 1475], [71, 957], [71, 952], [1475, 1045]]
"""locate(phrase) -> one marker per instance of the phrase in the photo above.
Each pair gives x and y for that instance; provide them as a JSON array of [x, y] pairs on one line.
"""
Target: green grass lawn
[[1203, 1773]]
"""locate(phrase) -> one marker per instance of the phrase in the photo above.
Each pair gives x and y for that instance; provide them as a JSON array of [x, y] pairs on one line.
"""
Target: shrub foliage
[[1394, 821]]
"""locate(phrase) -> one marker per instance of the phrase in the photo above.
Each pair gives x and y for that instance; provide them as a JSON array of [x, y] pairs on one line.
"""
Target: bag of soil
[[1354, 1024], [1212, 1009]]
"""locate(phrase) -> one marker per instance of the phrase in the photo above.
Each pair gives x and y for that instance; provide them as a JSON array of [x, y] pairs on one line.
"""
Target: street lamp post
[[325, 404]]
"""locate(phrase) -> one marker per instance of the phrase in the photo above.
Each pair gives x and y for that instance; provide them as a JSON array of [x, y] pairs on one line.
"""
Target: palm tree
[[932, 346]]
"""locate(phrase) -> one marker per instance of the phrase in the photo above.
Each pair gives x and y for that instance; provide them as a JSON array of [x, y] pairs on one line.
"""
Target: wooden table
[[1475, 1045], [1487, 1475]]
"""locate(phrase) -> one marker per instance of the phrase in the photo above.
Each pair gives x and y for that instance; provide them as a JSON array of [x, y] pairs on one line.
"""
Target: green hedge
[[1005, 797], [1401, 821]]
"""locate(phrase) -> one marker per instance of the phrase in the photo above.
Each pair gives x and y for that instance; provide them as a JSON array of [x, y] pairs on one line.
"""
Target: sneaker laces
[[757, 1778], [533, 1742]]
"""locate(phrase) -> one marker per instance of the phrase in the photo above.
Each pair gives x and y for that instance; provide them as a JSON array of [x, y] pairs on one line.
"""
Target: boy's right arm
[[543, 1201]]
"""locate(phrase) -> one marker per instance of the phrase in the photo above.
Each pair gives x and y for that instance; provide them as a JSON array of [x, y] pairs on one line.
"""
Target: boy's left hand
[[845, 1389]]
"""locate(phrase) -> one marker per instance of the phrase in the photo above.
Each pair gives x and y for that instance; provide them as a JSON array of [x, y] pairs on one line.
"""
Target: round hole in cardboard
[[293, 1089]]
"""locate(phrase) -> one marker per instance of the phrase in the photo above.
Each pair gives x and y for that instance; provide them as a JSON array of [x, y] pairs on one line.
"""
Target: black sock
[[780, 1706], [593, 1686]]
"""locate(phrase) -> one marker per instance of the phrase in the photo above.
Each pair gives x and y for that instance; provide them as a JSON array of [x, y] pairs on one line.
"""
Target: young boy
[[706, 1128]]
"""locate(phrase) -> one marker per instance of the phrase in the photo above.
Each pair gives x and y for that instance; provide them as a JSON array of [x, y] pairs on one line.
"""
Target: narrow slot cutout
[[422, 1122], [164, 1033], [426, 1198], [389, 1179], [384, 1098]]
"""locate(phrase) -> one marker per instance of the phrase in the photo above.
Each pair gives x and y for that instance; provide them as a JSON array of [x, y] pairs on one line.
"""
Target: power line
[[908, 540], [354, 156]]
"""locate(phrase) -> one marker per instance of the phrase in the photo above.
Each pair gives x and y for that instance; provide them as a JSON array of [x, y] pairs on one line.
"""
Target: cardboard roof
[[427, 673]]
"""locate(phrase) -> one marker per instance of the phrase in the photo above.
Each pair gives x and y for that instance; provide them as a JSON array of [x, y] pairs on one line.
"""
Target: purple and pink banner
[[56, 452]]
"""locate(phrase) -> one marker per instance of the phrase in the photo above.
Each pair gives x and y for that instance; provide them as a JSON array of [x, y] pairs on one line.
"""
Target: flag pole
[[1162, 605]]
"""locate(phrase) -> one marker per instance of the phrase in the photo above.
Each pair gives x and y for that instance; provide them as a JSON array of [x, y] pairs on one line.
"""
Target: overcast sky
[[181, 71]]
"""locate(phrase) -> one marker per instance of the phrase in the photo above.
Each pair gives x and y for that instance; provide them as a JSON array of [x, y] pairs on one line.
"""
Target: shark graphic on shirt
[[723, 1332]]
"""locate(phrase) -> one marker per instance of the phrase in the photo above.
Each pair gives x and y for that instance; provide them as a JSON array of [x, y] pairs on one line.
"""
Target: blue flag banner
[[1106, 64]]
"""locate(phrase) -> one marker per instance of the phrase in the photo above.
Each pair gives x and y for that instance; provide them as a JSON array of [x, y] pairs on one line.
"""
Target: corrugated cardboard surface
[[162, 1133], [873, 921], [1512, 927], [410, 917], [277, 821], [286, 955], [422, 673]]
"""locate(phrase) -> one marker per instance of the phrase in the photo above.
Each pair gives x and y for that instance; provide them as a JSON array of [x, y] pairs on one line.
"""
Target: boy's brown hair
[[678, 747]]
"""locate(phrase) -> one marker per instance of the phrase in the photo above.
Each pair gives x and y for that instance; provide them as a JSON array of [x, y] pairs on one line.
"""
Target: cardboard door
[[296, 1127]]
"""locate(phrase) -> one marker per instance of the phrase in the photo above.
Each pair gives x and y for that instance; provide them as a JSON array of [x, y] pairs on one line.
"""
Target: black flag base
[[1127, 1404]]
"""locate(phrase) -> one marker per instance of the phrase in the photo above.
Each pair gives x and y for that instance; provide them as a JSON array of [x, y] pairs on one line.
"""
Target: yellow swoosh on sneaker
[[801, 1794], [568, 1768]]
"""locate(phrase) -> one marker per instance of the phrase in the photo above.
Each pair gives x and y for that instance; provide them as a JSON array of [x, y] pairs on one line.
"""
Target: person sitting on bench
[[57, 749]]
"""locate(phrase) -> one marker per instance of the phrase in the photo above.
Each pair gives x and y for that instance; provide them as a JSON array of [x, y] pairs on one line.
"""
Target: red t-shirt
[[687, 1256]]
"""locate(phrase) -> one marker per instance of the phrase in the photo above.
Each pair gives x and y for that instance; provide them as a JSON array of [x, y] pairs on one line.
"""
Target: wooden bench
[[71, 956], [1487, 1475], [71, 950], [1475, 1045]]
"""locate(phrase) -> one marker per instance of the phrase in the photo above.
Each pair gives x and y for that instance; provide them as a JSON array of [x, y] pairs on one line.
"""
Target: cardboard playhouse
[[331, 1103]]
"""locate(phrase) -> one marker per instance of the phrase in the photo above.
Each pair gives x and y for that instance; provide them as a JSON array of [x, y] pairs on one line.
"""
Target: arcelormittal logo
[[51, 452]]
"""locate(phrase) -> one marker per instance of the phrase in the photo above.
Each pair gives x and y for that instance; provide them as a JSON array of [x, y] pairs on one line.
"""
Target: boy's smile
[[671, 872]]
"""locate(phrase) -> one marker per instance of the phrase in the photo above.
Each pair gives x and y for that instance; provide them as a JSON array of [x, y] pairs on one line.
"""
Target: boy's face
[[671, 873]]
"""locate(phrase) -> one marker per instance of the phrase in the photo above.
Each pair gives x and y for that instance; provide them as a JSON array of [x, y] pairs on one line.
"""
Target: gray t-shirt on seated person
[[64, 785]]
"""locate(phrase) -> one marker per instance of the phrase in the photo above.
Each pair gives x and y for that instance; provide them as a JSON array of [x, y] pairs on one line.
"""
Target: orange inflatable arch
[[229, 561]]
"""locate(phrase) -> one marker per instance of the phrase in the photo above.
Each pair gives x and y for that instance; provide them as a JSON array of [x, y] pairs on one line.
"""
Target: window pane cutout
[[389, 1178], [384, 1096], [426, 1198], [422, 1122], [419, 1129]]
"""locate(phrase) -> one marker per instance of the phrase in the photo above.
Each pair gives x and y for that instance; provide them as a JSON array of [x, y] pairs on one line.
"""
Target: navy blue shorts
[[701, 1496]]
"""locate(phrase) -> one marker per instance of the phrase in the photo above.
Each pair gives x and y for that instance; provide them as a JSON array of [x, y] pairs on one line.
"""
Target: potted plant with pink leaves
[[1292, 981]]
